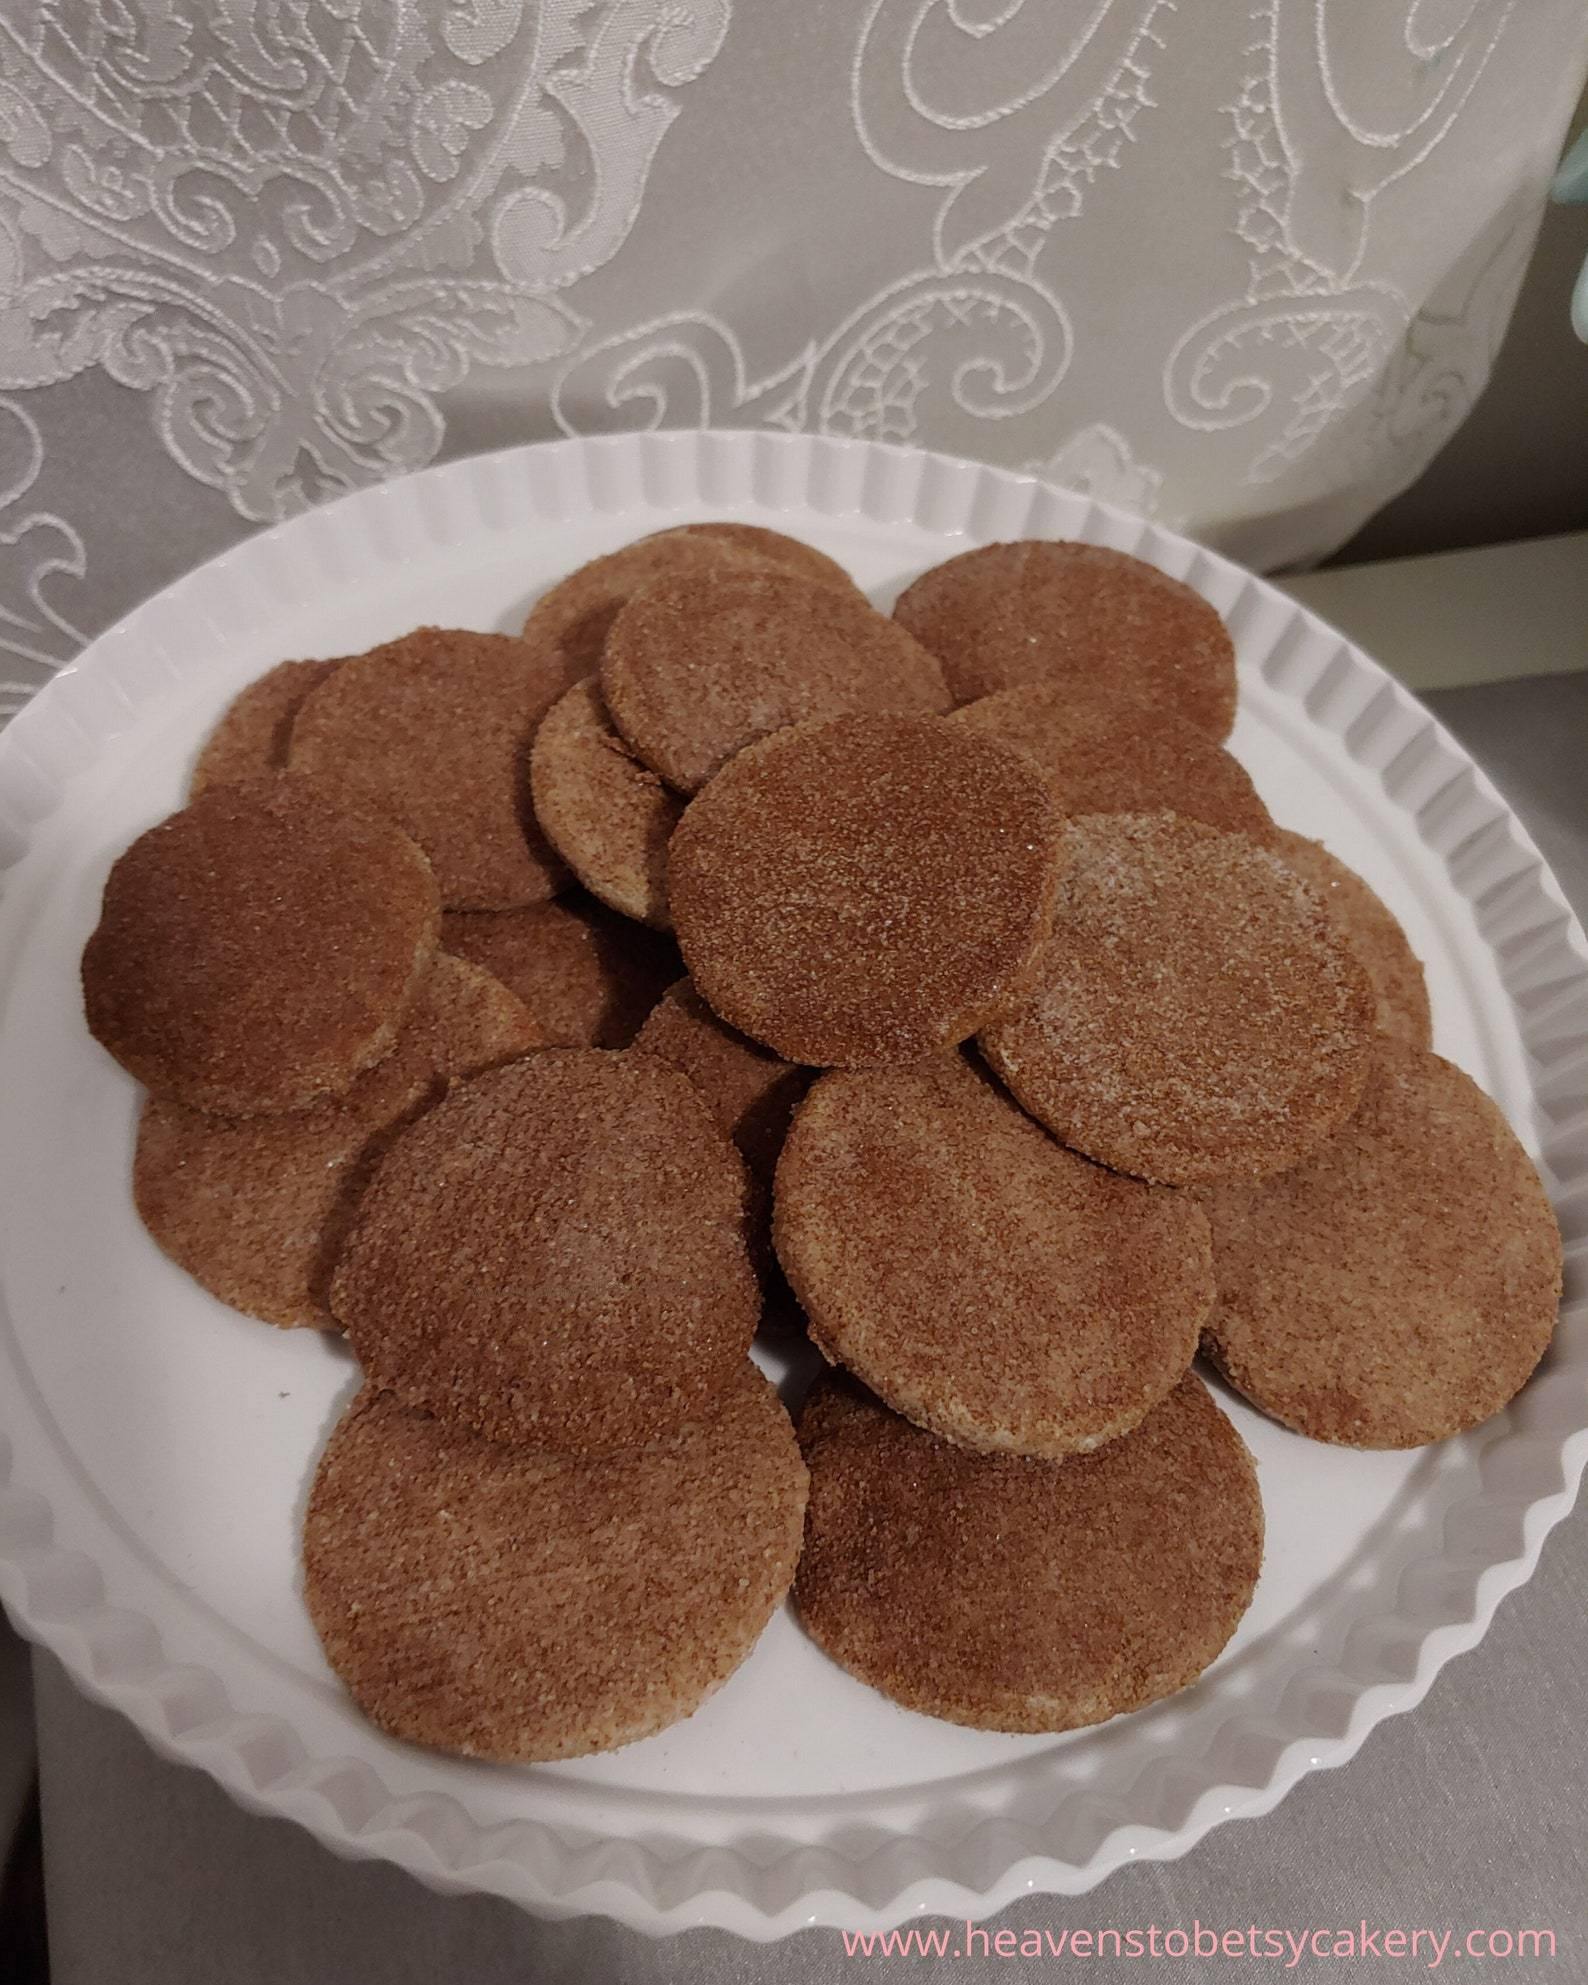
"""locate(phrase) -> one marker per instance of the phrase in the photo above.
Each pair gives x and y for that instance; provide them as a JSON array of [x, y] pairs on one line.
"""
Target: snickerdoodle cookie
[[751, 1092], [1400, 1285], [255, 734], [1045, 611], [982, 1280], [589, 975], [1104, 752], [259, 949], [1012, 1594], [568, 624], [555, 1253], [433, 730], [696, 668], [507, 1602], [1195, 1014], [866, 889]]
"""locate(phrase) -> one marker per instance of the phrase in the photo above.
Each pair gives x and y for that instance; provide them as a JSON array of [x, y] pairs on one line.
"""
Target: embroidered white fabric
[[1241, 265]]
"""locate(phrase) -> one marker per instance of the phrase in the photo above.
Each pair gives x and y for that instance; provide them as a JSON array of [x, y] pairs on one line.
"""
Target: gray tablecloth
[[1469, 1814]]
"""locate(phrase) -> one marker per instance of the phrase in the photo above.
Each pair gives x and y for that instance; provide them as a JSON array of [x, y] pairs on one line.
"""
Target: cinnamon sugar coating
[[1399, 1286], [865, 890], [985, 1282], [254, 735], [433, 730], [609, 816], [1045, 611], [555, 1253], [1104, 752], [259, 949], [1195, 1014], [1012, 1594], [256, 1208], [697, 667], [506, 1602]]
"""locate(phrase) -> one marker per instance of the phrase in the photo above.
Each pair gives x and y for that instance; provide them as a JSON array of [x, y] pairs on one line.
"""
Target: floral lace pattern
[[1243, 267]]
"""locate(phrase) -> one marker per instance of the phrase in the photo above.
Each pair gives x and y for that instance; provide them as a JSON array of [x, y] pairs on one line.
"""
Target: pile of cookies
[[546, 1012]]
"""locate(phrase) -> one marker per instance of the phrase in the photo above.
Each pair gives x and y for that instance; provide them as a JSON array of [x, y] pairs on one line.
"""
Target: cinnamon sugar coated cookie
[[1011, 1594], [608, 815], [865, 890], [259, 949], [1195, 1014], [1400, 991], [1401, 1285], [255, 1208], [589, 975], [506, 1602], [696, 668], [1042, 611], [555, 1253], [433, 730], [982, 1280], [253, 736], [568, 624], [751, 1092], [1103, 752]]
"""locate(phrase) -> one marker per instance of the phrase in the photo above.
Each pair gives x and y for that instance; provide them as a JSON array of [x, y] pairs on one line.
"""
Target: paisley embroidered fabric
[[1245, 267]]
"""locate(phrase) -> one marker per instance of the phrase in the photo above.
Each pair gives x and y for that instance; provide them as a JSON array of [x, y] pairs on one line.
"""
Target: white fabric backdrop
[[1243, 263]]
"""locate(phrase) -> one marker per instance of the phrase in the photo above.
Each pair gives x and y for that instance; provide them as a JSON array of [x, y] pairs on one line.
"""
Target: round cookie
[[608, 816], [751, 1092], [259, 949], [983, 1281], [588, 975], [696, 668], [555, 1253], [568, 624], [1195, 1015], [1043, 611], [1401, 1285], [1395, 972], [1011, 1594], [510, 1603], [433, 731], [1107, 753], [252, 738], [865, 890], [255, 1208]]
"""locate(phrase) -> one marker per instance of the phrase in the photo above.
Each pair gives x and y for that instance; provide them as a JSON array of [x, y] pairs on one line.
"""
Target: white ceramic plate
[[159, 1445]]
